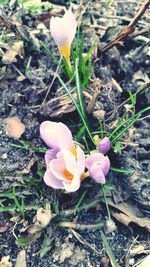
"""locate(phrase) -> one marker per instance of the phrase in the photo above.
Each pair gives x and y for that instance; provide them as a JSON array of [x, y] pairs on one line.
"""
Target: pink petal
[[80, 160], [74, 185], [70, 161], [104, 145], [57, 167], [56, 135], [97, 174], [71, 25], [93, 158], [105, 165], [50, 154], [67, 24], [52, 181], [60, 37]]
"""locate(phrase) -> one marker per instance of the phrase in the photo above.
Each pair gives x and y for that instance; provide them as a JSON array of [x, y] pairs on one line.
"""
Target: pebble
[[4, 156]]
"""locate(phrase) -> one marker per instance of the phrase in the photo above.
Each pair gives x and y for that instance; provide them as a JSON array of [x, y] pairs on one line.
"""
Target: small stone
[[4, 156], [14, 127], [131, 261], [110, 226]]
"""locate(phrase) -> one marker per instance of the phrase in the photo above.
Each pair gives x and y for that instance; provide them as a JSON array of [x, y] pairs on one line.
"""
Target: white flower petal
[[52, 181], [57, 167], [58, 31], [71, 24], [63, 29], [56, 135], [74, 185], [80, 160], [70, 161]]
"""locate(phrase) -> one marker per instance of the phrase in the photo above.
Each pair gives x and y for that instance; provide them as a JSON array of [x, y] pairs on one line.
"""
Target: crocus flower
[[98, 166], [63, 31], [104, 145], [65, 161], [65, 172]]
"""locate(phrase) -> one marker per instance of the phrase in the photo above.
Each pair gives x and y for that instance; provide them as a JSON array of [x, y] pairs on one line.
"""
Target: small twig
[[81, 226], [84, 242], [55, 76], [127, 30], [84, 207], [123, 18], [139, 13], [141, 32]]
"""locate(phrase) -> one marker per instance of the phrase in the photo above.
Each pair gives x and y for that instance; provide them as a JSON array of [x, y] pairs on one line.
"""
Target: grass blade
[[108, 250]]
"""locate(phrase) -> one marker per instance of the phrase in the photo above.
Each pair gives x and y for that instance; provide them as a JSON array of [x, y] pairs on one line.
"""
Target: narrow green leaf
[[108, 250]]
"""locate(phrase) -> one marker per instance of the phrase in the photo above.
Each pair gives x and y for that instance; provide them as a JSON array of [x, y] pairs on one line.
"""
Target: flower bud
[[104, 145]]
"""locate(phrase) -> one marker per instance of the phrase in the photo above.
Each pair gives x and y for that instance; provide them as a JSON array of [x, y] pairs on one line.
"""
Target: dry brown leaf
[[145, 262], [14, 127], [127, 214], [21, 259], [4, 226], [138, 249], [5, 262], [12, 51], [41, 220]]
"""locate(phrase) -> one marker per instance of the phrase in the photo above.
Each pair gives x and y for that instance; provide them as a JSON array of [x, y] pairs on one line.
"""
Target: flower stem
[[106, 203]]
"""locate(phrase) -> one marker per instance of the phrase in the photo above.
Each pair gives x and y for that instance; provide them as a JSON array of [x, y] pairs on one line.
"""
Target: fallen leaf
[[14, 127], [21, 259], [4, 227], [145, 262], [12, 51], [5, 262], [138, 249], [127, 214], [41, 220]]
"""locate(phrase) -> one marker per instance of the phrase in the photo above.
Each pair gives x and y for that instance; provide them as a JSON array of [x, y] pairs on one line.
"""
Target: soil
[[23, 93]]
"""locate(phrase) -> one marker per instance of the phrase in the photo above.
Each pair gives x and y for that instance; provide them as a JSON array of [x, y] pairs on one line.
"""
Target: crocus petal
[[105, 165], [71, 24], [56, 135], [57, 167], [58, 31], [97, 174], [73, 163], [104, 145], [63, 29], [52, 181], [70, 161], [93, 158], [74, 185], [50, 154], [80, 160]]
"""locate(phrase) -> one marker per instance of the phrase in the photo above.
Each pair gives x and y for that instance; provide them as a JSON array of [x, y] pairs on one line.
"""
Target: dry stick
[[81, 226], [141, 32], [127, 30]]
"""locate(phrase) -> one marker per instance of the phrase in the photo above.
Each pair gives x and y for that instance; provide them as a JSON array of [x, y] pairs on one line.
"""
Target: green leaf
[[120, 170], [117, 148], [108, 250], [46, 246]]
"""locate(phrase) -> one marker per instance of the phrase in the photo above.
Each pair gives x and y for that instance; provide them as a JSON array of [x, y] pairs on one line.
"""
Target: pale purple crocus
[[104, 145], [66, 171], [98, 166], [63, 31], [65, 161]]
